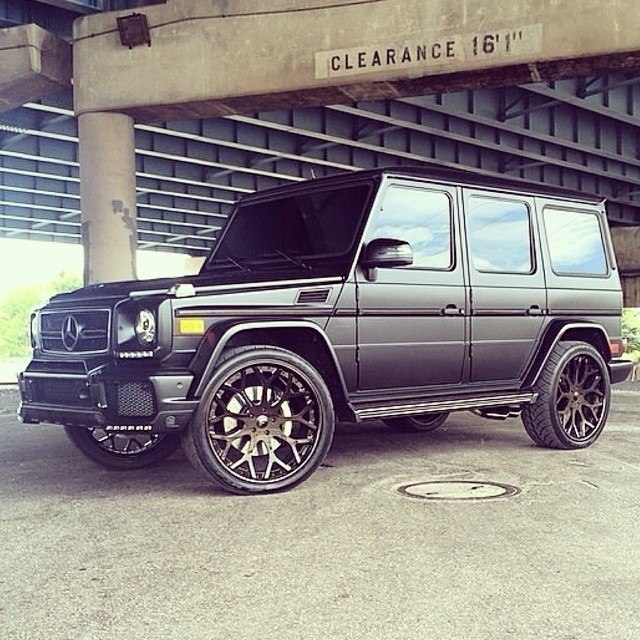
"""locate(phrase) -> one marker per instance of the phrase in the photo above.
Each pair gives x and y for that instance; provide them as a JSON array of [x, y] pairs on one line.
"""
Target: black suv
[[397, 295]]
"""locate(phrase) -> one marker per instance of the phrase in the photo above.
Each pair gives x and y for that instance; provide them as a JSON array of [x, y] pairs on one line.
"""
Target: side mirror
[[386, 252]]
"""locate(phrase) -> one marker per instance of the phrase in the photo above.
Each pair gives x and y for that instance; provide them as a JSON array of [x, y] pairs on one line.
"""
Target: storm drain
[[458, 490]]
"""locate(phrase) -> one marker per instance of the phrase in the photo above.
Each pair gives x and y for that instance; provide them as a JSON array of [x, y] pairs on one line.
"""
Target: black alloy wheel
[[423, 422], [264, 424], [574, 396], [120, 451]]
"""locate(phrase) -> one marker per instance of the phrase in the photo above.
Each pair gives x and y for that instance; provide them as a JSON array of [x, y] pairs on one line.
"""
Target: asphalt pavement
[[160, 554]]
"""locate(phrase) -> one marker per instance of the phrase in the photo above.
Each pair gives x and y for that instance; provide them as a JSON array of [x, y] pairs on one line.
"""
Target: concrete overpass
[[389, 62]]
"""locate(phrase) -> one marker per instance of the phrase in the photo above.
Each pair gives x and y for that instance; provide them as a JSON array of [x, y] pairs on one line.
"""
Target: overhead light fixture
[[134, 30]]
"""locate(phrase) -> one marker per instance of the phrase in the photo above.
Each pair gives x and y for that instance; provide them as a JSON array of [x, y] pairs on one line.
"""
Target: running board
[[436, 406]]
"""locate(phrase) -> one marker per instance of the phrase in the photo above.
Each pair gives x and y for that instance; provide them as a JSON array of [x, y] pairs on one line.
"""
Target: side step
[[376, 412]]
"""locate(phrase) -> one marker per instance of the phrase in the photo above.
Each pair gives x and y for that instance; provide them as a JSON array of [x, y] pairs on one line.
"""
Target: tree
[[631, 328], [16, 308], [64, 281]]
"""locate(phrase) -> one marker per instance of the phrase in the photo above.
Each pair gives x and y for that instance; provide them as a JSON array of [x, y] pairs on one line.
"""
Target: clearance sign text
[[429, 52]]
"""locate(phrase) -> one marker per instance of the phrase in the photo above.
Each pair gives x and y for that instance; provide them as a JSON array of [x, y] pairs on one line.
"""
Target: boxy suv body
[[395, 295]]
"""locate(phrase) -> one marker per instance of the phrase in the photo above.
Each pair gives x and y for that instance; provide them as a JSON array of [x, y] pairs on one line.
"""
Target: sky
[[24, 262]]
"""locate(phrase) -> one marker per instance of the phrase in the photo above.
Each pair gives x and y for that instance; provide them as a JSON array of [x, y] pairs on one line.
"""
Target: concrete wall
[[214, 56], [33, 63], [626, 241], [631, 291]]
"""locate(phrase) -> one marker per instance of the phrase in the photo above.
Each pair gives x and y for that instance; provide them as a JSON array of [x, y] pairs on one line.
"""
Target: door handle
[[452, 310], [535, 310]]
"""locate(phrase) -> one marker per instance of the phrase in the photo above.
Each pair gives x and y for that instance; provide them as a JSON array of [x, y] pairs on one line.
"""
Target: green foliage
[[16, 308], [64, 281], [631, 328]]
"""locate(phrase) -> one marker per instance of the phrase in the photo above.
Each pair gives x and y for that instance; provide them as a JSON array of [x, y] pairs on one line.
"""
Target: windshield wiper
[[234, 261], [299, 263]]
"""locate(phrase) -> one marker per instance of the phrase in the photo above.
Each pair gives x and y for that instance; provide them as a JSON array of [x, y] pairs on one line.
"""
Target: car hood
[[201, 283]]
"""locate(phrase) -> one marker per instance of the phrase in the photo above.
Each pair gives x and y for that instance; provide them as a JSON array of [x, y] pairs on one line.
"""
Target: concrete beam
[[215, 57], [33, 63]]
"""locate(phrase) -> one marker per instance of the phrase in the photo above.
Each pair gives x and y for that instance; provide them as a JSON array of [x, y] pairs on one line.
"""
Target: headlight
[[146, 326]]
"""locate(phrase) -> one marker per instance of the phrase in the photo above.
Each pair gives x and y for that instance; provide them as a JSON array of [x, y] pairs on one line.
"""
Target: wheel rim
[[123, 444], [581, 398], [264, 422]]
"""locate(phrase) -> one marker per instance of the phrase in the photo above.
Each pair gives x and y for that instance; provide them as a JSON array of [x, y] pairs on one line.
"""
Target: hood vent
[[313, 296]]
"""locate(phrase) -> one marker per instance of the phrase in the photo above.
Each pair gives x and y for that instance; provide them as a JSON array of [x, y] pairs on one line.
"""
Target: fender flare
[[547, 346], [240, 327]]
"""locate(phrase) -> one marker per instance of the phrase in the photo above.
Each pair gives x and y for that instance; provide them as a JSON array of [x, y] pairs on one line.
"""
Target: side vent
[[313, 296]]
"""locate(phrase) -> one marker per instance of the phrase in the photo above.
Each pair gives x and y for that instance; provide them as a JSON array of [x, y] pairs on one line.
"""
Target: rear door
[[508, 295], [412, 329]]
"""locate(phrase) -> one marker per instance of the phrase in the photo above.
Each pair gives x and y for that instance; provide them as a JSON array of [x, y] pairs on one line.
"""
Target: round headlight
[[146, 326]]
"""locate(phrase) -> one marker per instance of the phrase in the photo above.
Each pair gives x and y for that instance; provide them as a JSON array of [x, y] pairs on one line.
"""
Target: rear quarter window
[[575, 240]]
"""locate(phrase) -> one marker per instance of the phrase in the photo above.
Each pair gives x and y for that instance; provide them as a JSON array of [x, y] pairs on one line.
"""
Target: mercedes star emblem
[[70, 333]]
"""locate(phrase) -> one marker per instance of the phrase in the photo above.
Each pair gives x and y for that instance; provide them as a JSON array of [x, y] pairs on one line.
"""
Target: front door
[[412, 321]]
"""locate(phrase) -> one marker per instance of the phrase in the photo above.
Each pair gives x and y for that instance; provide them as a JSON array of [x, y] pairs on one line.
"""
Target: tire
[[424, 422], [123, 451], [574, 397], [264, 424]]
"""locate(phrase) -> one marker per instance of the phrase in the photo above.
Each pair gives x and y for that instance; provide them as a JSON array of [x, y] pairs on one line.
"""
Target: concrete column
[[192, 264], [108, 196]]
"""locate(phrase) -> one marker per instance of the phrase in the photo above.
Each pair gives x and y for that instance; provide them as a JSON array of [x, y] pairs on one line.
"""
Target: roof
[[448, 176]]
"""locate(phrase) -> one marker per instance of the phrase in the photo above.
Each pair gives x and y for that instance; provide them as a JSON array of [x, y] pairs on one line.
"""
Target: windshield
[[298, 232]]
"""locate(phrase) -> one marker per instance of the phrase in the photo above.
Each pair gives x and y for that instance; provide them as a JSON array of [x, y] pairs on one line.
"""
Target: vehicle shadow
[[48, 465]]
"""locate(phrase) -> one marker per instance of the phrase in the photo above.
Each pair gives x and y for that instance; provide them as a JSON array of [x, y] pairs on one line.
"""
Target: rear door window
[[499, 235]]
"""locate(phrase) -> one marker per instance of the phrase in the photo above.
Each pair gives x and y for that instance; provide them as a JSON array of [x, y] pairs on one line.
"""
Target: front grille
[[85, 331], [133, 399], [60, 392]]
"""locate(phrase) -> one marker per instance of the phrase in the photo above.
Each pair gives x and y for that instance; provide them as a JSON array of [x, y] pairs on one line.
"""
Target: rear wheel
[[573, 402], [122, 451], [264, 424], [424, 422]]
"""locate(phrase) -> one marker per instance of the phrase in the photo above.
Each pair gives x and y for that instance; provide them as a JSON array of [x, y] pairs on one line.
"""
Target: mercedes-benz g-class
[[394, 294]]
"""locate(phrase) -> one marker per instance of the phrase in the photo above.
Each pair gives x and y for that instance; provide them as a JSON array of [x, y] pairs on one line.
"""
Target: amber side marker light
[[191, 326]]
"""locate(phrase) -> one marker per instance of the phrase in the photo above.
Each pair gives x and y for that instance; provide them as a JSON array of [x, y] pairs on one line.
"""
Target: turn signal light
[[191, 326]]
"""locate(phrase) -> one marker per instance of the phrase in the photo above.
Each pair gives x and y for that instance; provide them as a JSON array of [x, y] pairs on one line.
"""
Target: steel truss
[[580, 134]]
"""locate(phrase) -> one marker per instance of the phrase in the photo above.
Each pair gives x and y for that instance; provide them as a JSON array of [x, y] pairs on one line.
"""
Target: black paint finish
[[465, 331]]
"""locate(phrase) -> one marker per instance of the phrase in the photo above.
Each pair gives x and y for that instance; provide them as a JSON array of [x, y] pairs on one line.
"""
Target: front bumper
[[107, 398]]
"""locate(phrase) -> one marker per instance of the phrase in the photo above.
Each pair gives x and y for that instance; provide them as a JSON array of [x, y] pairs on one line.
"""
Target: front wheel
[[573, 402], [264, 424], [123, 451]]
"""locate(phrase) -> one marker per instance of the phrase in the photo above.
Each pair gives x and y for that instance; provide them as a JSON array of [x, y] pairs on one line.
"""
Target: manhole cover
[[458, 490]]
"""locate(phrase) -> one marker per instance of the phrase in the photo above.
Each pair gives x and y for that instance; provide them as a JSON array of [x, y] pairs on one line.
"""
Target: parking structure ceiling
[[581, 134]]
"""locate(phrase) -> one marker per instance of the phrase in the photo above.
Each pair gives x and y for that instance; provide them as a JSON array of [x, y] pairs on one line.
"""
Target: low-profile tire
[[424, 422], [574, 393], [264, 424], [123, 451]]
